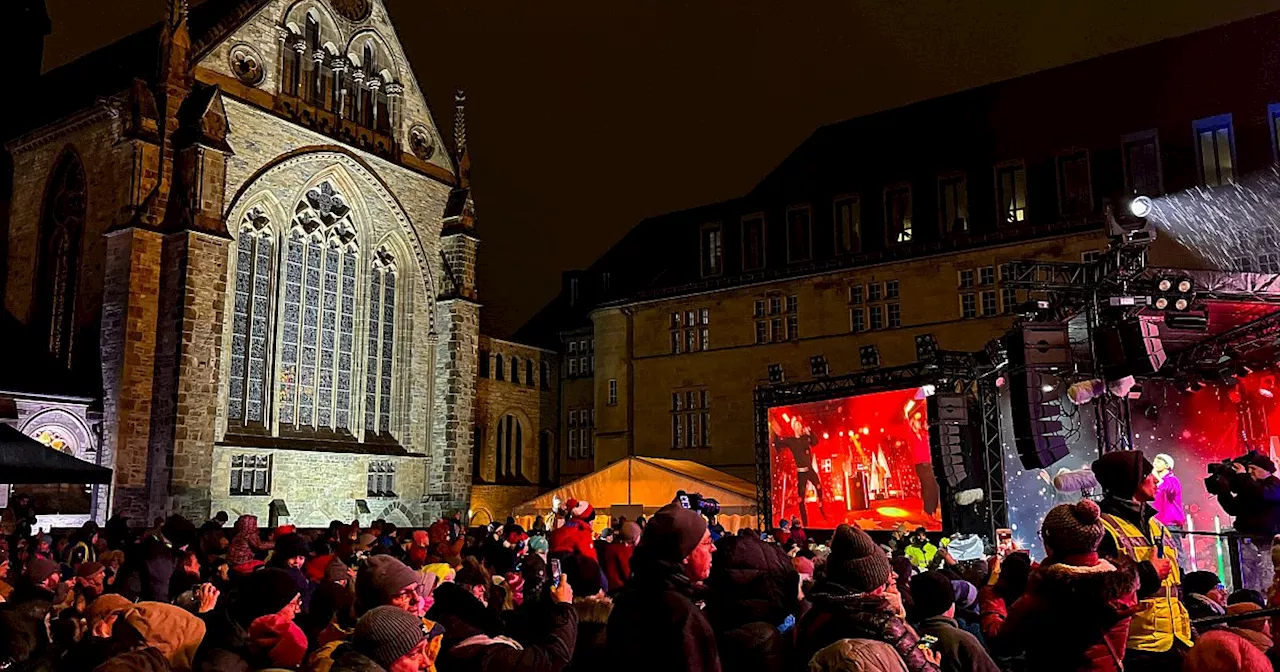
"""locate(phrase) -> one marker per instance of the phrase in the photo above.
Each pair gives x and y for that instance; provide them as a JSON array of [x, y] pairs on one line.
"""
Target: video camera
[[696, 502], [1220, 473]]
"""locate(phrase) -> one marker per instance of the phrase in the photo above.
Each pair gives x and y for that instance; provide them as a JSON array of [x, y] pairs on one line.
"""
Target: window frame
[[908, 221], [1214, 123], [961, 180], [764, 240], [1128, 139], [855, 245], [707, 270], [612, 387], [1059, 161], [253, 491], [1012, 164], [1273, 118], [808, 254]]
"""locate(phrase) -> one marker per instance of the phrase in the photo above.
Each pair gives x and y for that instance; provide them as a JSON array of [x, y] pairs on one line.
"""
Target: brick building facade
[[884, 227], [246, 222]]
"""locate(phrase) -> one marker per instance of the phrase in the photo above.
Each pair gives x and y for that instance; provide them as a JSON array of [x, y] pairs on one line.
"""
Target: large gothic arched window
[[61, 225], [317, 353], [382, 331], [247, 403]]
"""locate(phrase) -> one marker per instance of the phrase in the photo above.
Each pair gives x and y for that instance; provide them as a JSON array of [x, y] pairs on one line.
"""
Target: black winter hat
[[583, 574], [291, 545], [856, 562], [1120, 473], [381, 578], [1200, 583], [932, 594], [263, 592], [673, 533], [386, 633], [179, 531]]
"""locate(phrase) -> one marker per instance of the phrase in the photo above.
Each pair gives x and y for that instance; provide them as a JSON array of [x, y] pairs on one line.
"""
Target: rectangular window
[[895, 315], [762, 331], [677, 401], [877, 317], [1075, 196], [793, 327], [891, 289], [1011, 193], [690, 340], [676, 342], [705, 341], [968, 305], [1215, 150], [573, 444], [848, 215], [792, 303], [753, 243], [799, 234], [705, 425], [1008, 299], [759, 308], [987, 275], [381, 478], [484, 364], [704, 317], [573, 348], [677, 431], [1090, 256], [953, 204], [573, 418], [989, 307], [613, 391], [856, 324], [775, 325], [897, 214], [775, 305], [712, 250], [691, 430], [875, 291], [855, 295], [250, 475], [1273, 125], [573, 367], [1140, 154], [966, 279]]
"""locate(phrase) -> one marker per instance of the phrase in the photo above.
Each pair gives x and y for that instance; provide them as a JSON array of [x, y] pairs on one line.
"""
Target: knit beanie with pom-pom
[[1073, 529]]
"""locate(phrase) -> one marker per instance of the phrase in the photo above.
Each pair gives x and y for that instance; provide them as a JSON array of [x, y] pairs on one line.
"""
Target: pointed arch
[[249, 379], [57, 264], [512, 439]]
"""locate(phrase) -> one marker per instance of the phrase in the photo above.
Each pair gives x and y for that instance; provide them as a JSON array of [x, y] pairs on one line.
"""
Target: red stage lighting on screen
[[1267, 387]]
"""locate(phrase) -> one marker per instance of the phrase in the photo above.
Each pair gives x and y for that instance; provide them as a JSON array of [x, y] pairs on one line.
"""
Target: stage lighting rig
[[869, 356], [926, 348], [1175, 294], [818, 366], [776, 374], [1127, 222]]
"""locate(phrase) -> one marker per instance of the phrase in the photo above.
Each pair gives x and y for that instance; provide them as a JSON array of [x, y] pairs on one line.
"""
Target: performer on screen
[[801, 447], [920, 455]]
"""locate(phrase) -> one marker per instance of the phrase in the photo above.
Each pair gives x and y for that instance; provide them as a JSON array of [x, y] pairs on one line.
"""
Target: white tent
[[652, 483]]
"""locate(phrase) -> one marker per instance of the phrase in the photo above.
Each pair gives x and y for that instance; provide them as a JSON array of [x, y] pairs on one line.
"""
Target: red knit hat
[[580, 510]]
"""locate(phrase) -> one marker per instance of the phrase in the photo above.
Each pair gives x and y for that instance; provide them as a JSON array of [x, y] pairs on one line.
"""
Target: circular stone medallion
[[246, 64], [352, 10]]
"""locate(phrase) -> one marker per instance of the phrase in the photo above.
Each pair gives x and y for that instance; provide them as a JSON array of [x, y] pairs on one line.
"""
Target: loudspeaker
[[1132, 348], [1035, 353], [948, 422]]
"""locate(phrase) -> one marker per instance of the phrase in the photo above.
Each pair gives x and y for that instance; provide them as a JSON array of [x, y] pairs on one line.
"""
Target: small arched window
[[498, 367], [510, 446], [314, 68], [515, 370], [528, 373], [366, 92], [61, 226]]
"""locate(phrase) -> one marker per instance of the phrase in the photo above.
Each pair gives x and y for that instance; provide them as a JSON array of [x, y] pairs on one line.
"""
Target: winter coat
[[1071, 618], [589, 652], [752, 604], [656, 626], [575, 537], [171, 630], [1255, 504], [149, 570], [960, 651], [615, 560], [245, 541], [226, 645], [857, 655], [473, 640], [143, 660], [349, 660], [839, 613]]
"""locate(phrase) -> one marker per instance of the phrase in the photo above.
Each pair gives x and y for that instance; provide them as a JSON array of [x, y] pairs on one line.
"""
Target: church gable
[[334, 65]]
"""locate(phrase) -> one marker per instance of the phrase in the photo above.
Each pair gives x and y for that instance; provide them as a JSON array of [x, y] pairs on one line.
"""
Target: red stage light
[[999, 381], [825, 436], [1234, 396]]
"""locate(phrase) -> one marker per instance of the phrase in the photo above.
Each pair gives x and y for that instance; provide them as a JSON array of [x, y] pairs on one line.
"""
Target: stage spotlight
[[1000, 382], [869, 356], [1162, 303], [1180, 304], [1046, 388], [1267, 386], [1184, 285], [928, 389], [1165, 284], [775, 373], [926, 347], [1140, 206], [818, 366], [1152, 412]]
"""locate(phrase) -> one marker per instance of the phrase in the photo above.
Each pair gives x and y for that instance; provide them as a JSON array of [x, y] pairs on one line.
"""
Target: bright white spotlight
[[928, 389], [1180, 304], [1140, 206], [1165, 284], [1162, 303], [1184, 285], [1046, 388]]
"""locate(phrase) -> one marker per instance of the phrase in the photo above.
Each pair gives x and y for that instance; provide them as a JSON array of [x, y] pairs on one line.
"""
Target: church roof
[[110, 70]]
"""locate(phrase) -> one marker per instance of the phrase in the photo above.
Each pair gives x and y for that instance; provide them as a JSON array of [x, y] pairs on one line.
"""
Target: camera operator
[[1250, 493]]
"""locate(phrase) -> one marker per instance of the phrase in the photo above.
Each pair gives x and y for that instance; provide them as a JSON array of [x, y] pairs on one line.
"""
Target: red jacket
[[575, 537], [616, 563], [1071, 619]]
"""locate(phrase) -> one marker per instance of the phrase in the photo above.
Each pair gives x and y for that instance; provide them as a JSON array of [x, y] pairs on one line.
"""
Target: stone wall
[[491, 503], [534, 404]]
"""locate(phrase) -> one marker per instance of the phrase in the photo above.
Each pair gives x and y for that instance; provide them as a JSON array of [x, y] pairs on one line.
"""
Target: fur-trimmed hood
[[1101, 584]]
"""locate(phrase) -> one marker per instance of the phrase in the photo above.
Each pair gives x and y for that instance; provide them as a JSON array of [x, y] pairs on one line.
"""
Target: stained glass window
[[246, 403], [382, 320], [61, 227]]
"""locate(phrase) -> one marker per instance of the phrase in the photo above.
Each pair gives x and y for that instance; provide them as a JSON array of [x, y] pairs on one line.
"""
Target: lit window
[[848, 216], [1011, 193], [897, 214], [712, 250], [953, 204], [250, 475], [613, 391], [1215, 150], [247, 399]]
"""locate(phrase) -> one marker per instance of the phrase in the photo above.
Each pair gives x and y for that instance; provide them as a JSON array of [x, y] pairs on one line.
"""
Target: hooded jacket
[[753, 604], [473, 640], [169, 629], [1071, 618], [655, 624], [839, 613], [245, 541]]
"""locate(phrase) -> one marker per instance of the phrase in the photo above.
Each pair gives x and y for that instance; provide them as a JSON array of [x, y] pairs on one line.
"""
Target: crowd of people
[[674, 592]]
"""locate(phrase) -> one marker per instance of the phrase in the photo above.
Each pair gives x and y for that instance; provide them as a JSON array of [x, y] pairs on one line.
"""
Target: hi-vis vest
[[1163, 617]]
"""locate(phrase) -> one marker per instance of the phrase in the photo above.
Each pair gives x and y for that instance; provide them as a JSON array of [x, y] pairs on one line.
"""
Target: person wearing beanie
[[1160, 633], [858, 598], [1253, 497], [227, 643], [475, 637], [91, 578], [575, 534], [1204, 595], [384, 580], [655, 624], [36, 589], [1076, 612], [935, 609], [290, 554], [616, 557], [391, 640]]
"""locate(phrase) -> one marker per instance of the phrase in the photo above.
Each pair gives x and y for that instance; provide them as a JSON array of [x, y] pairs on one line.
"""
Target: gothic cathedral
[[244, 226]]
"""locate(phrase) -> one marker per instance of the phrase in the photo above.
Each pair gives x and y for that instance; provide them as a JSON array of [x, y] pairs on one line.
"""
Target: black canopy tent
[[25, 461]]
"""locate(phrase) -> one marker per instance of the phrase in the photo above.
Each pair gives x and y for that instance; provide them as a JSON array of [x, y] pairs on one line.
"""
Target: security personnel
[[1160, 634]]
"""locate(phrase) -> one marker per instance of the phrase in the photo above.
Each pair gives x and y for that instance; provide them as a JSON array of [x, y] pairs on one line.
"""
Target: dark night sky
[[585, 116]]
